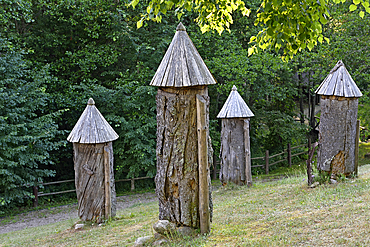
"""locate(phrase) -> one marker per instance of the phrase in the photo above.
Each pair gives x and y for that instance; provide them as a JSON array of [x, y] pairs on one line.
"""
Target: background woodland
[[54, 55]]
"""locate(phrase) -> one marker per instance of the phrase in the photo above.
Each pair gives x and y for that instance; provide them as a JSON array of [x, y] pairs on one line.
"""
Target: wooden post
[[357, 142], [203, 165], [214, 174], [289, 156], [248, 162], [36, 194], [107, 183], [132, 184], [311, 152], [267, 162]]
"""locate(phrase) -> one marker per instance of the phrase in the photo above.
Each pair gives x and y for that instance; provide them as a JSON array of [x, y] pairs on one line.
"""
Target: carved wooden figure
[[235, 144], [337, 130], [183, 144], [92, 138]]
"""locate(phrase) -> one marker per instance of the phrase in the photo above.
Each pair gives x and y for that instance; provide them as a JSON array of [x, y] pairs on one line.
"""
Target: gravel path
[[56, 214]]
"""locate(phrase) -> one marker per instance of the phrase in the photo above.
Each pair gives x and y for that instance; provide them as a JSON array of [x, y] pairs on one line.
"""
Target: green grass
[[277, 213]]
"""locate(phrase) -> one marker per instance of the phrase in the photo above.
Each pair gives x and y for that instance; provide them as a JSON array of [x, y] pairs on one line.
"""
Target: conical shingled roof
[[235, 107], [182, 65], [339, 83], [92, 127]]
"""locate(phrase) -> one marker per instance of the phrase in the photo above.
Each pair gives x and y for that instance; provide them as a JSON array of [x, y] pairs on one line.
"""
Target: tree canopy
[[287, 26]]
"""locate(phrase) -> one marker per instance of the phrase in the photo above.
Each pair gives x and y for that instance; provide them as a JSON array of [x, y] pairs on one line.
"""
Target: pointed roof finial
[[180, 27], [92, 127], [336, 67], [91, 101], [339, 83], [235, 107], [182, 66]]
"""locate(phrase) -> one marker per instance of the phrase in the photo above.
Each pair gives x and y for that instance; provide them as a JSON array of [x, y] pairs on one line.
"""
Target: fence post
[[289, 156], [132, 184], [357, 145], [214, 174], [267, 162], [36, 194]]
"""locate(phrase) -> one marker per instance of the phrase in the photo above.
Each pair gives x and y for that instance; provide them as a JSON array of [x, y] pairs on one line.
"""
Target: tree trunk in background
[[336, 153], [177, 179], [232, 152], [301, 95], [90, 180]]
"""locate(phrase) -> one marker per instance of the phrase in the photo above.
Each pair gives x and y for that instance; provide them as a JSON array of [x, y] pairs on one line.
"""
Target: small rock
[[79, 226], [185, 231], [160, 242], [142, 241], [333, 181], [315, 184], [164, 227]]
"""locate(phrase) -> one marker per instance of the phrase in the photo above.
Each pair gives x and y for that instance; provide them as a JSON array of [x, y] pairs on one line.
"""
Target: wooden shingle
[[92, 127], [339, 83], [182, 66], [235, 107]]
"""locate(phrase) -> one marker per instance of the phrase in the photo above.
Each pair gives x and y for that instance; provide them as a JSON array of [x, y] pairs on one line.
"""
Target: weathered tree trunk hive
[[337, 130], [92, 139], [183, 146], [235, 143]]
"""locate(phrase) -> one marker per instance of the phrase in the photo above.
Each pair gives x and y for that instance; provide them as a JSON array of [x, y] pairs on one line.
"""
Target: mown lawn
[[277, 213]]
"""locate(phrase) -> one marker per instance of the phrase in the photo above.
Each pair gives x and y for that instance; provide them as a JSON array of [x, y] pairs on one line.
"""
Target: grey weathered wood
[[339, 104], [247, 147], [202, 126], [93, 163], [107, 185], [357, 141], [91, 188], [177, 178], [182, 65], [232, 153], [337, 135], [235, 146], [92, 127], [339, 83], [235, 107], [267, 162]]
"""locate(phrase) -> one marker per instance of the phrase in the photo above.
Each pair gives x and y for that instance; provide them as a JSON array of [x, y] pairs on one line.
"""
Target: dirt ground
[[56, 214]]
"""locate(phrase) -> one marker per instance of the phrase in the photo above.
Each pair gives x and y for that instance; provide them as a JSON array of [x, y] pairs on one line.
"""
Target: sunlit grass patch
[[276, 213]]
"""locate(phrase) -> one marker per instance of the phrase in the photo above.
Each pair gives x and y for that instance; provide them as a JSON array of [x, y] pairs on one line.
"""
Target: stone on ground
[[164, 227], [142, 241]]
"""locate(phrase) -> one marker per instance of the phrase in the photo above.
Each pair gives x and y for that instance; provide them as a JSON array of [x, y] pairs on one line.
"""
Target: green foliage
[[287, 26], [26, 131]]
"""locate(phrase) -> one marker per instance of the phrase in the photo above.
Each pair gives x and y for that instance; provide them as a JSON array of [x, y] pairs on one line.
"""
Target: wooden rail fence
[[37, 194], [266, 158]]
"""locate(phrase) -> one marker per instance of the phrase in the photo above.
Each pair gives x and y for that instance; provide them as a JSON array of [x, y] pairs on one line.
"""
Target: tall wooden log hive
[[92, 138], [184, 150], [235, 143], [337, 130]]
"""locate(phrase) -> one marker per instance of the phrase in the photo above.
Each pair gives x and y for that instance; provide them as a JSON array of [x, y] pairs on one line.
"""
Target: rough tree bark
[[177, 178], [336, 153], [90, 180], [232, 153]]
